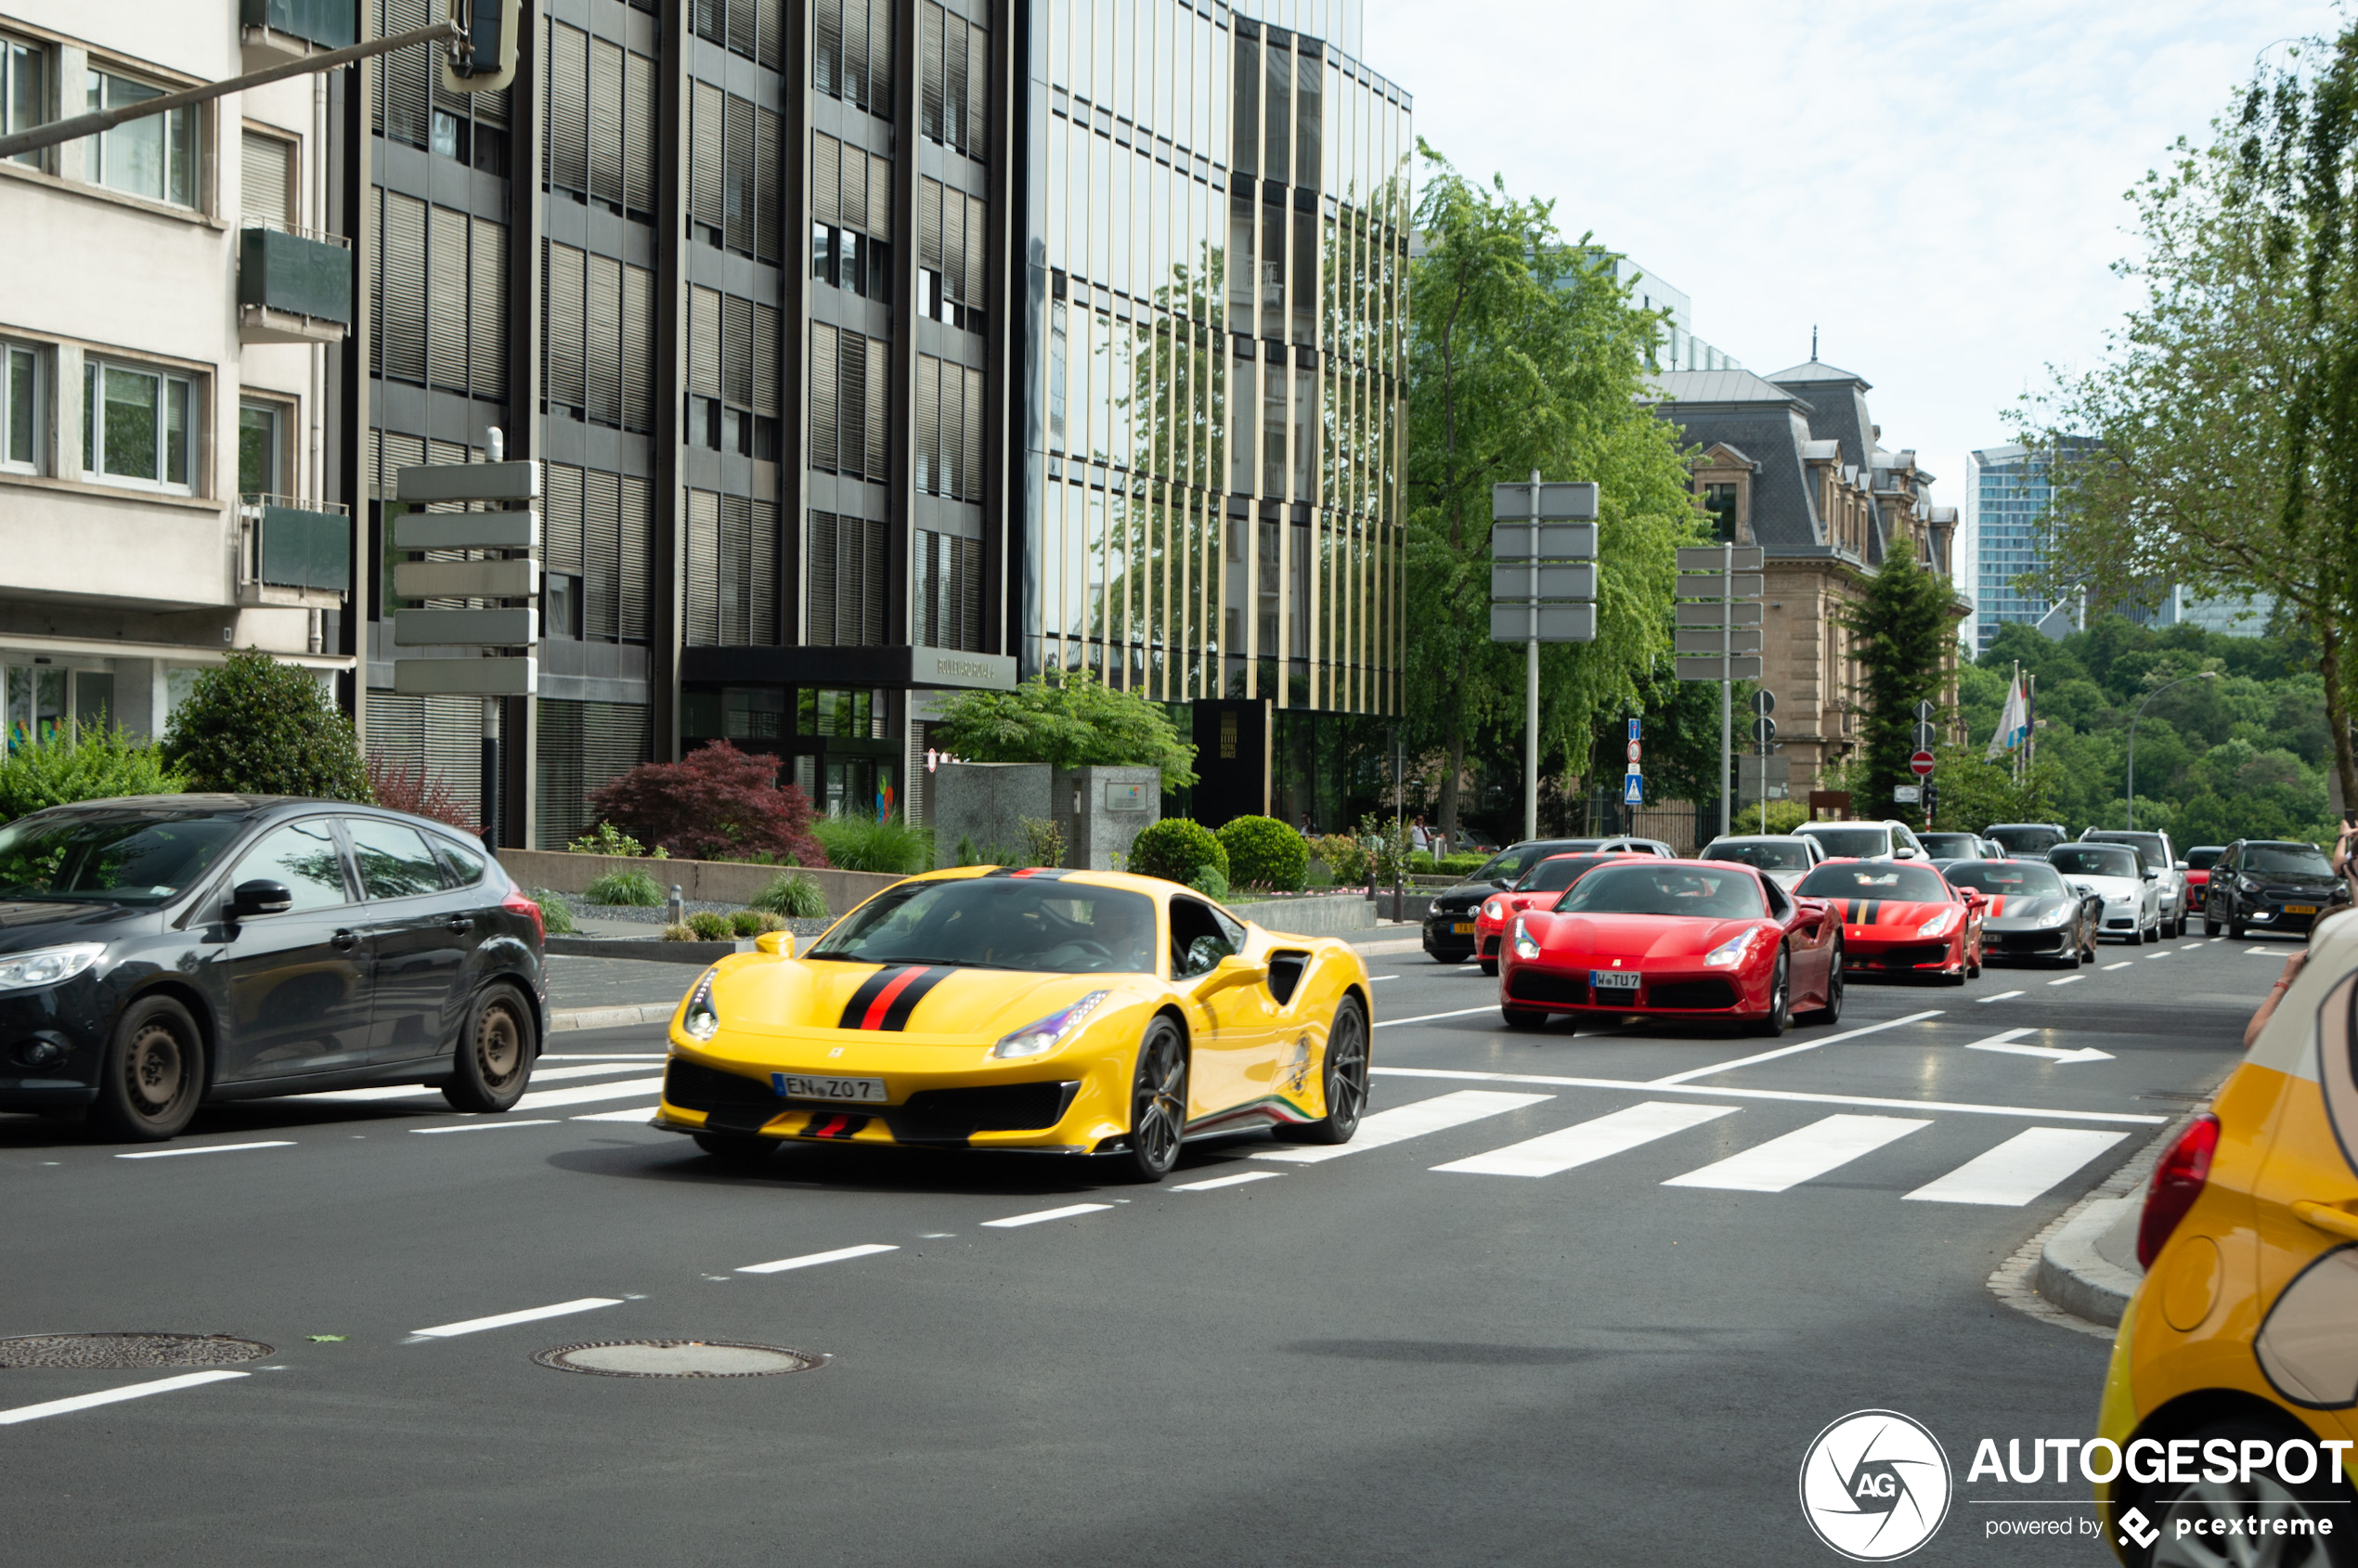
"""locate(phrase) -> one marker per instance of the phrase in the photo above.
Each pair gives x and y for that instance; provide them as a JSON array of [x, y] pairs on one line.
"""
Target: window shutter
[[568, 107], [953, 244], [879, 389], [372, 224], [638, 134], [488, 302], [851, 457], [266, 176], [872, 584], [879, 196], [407, 74], [601, 554], [741, 27], [929, 20], [561, 523], [771, 24], [638, 349], [604, 400], [978, 250], [763, 627], [826, 55], [928, 225], [822, 395], [403, 327], [605, 122], [732, 578], [769, 132], [967, 591], [880, 58], [765, 360], [953, 430], [827, 163], [855, 188], [977, 93], [855, 52], [928, 441], [704, 342], [738, 153], [953, 84], [447, 298], [704, 587], [819, 590], [921, 619], [736, 350], [638, 558], [972, 488], [705, 169], [564, 308]]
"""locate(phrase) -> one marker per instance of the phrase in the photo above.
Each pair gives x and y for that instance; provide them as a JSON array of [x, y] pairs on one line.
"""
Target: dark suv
[[1449, 920], [2282, 884], [163, 951]]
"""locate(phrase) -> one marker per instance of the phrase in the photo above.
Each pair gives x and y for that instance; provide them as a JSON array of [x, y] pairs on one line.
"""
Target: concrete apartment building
[[171, 340], [1793, 464]]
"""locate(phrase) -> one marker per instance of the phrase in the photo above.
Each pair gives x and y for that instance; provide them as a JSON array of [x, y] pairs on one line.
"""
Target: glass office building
[[2008, 492]]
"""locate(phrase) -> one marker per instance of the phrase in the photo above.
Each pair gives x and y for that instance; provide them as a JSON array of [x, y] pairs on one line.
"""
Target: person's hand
[[2292, 967]]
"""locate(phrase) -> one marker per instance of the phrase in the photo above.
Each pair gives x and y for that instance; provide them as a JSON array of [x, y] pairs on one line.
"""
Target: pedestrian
[[2341, 863], [1419, 837]]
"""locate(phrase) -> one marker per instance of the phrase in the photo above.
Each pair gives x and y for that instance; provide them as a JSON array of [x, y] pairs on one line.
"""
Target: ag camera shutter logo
[[1874, 1486]]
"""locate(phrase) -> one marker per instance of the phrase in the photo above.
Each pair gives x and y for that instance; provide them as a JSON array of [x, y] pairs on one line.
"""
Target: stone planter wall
[[1326, 915], [727, 881], [985, 804]]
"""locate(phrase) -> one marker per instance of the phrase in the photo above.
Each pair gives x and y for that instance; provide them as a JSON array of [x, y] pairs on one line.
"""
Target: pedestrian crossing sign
[[1633, 789]]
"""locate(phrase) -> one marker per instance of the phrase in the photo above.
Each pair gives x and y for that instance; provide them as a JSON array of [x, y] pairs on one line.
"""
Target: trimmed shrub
[[1462, 866], [403, 786], [680, 932], [254, 726], [719, 804], [796, 896], [633, 887], [555, 913], [890, 846], [1176, 849], [746, 923], [1346, 858], [710, 927], [607, 839], [1211, 883], [1264, 852], [96, 764]]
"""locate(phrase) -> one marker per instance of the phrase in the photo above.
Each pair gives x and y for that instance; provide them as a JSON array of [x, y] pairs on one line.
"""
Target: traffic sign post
[[1921, 764], [1714, 638], [1543, 588]]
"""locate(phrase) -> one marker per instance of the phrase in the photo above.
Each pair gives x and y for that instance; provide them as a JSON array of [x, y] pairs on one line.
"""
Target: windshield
[[2096, 859], [2145, 844], [1507, 864], [1636, 888], [1854, 843], [1558, 872], [2203, 860], [1000, 923], [2032, 839], [120, 857], [1764, 854], [2285, 860], [2025, 879], [1874, 879], [1948, 846]]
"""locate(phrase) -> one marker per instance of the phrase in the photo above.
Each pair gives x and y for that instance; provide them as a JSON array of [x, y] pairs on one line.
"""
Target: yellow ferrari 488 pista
[[1068, 1012]]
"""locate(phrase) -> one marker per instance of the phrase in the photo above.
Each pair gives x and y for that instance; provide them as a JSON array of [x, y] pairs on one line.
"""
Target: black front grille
[[1696, 995], [692, 1086], [1459, 905], [951, 1116], [1909, 957], [2030, 941], [1539, 985]]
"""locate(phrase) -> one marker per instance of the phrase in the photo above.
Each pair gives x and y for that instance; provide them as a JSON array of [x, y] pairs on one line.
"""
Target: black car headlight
[[47, 965], [2246, 884]]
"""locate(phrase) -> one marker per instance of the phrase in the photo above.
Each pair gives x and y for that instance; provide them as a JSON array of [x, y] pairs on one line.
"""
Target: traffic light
[[1932, 801], [485, 60]]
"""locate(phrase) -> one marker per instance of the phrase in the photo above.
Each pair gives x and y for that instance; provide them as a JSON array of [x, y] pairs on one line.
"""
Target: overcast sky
[[1937, 188]]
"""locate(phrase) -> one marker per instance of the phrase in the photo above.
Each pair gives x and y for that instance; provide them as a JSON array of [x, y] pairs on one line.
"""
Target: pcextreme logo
[[1874, 1486]]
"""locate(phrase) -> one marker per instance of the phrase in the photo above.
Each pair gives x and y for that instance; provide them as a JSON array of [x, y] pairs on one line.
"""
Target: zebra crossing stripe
[[1401, 1122], [1825, 1144], [1590, 1141], [2019, 1169]]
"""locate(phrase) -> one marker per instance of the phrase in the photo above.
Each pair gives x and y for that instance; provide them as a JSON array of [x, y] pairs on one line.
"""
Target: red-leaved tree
[[719, 804], [407, 786]]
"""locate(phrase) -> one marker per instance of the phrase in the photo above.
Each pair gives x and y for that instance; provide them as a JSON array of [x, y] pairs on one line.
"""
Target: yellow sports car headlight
[[701, 1020], [1040, 1038]]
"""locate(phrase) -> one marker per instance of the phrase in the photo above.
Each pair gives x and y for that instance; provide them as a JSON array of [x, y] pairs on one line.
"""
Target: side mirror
[[1904, 853], [1236, 969], [1809, 908], [2151, 875], [2180, 866], [777, 944], [250, 899], [1973, 896]]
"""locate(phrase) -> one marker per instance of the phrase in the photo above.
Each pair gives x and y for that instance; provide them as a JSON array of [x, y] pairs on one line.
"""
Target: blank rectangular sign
[[466, 579], [470, 678], [493, 629], [1548, 541], [1691, 668], [1744, 614], [1714, 585], [469, 482], [467, 530], [1740, 640], [1558, 623], [1714, 558], [1558, 501], [1566, 581]]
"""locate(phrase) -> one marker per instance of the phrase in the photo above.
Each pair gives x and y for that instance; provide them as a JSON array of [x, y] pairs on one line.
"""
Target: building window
[[154, 157], [24, 91], [1720, 501], [23, 406], [262, 448], [137, 426]]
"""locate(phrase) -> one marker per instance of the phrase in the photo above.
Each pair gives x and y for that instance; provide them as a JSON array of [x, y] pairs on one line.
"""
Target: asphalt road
[[1515, 1333]]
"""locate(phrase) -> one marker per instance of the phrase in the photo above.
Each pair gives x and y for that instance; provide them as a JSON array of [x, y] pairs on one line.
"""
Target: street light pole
[[2206, 675]]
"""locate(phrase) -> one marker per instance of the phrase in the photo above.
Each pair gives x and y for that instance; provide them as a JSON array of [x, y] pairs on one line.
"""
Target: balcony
[[278, 31], [293, 554], [294, 286]]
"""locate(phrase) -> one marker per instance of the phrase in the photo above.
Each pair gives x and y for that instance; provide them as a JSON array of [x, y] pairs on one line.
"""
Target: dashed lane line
[[1429, 1017], [112, 1397], [1805, 1045], [493, 1124], [2068, 979], [550, 1099], [811, 1259], [640, 1114], [507, 1319], [2164, 954], [1238, 1180], [1791, 1096], [1069, 1211], [1985, 1001], [206, 1149], [2124, 964]]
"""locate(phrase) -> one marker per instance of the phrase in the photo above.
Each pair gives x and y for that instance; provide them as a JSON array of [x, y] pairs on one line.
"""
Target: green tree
[[1068, 719], [94, 762], [1527, 356], [254, 726], [1902, 629]]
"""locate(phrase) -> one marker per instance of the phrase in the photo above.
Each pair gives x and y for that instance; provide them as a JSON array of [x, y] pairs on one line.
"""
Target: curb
[[610, 1017], [2071, 1286], [647, 948]]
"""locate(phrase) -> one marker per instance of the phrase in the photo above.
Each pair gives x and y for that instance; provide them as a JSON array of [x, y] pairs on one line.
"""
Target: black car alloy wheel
[[1157, 1102]]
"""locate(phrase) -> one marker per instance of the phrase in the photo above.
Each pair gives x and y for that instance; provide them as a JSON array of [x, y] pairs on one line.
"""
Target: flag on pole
[[2014, 721]]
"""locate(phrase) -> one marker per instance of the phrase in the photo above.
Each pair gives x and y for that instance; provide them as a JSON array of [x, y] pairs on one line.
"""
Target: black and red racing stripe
[[889, 996]]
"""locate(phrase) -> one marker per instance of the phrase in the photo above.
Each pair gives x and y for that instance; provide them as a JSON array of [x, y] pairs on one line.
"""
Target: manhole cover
[[92, 1352], [679, 1358]]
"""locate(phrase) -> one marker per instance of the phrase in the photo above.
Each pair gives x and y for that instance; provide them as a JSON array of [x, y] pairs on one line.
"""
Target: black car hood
[[26, 923], [1464, 896], [2029, 912]]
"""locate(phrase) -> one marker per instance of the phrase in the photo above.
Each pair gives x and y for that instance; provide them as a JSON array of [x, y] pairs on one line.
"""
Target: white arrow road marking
[[2005, 1042], [112, 1397]]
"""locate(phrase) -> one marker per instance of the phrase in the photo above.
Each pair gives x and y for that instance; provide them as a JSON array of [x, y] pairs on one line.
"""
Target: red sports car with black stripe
[[1902, 917]]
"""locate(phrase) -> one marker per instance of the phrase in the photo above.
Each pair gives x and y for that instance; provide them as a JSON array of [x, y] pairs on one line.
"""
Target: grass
[[711, 927], [793, 896], [633, 887], [555, 913], [890, 846]]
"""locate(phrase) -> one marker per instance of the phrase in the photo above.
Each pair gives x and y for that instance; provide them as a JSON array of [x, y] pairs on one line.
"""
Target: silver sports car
[[2034, 912]]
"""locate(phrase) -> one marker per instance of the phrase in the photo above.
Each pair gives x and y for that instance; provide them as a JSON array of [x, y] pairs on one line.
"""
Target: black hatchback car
[[1449, 919], [163, 951], [2280, 885]]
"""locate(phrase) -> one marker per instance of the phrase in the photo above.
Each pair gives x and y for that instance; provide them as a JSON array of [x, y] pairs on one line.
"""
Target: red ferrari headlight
[[1527, 945]]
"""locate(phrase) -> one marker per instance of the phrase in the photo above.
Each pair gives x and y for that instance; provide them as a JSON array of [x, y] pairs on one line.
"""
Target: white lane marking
[[1788, 1050], [1401, 1122], [504, 1319], [2263, 951], [1985, 1001], [2068, 979], [1427, 1018], [363, 1096], [112, 1397], [2019, 1169], [1238, 1180], [1371, 980], [487, 1126], [1071, 1210], [207, 1148], [553, 1074], [2124, 964], [636, 1113], [1614, 1133], [2003, 1043], [548, 1099], [811, 1259], [2151, 957], [2216, 938], [1790, 1096], [1825, 1144], [602, 1057]]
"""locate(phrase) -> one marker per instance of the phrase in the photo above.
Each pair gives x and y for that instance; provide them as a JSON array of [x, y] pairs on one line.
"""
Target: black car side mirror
[[250, 899]]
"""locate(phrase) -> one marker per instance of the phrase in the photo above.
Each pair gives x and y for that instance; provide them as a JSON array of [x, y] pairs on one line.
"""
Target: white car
[[1885, 840], [2161, 859], [2116, 873], [1783, 858]]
